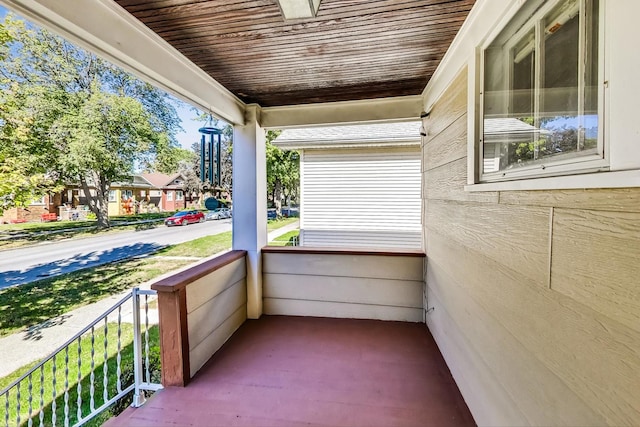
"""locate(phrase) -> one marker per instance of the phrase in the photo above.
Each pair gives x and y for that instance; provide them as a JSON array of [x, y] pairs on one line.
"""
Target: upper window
[[169, 196], [39, 201], [178, 195], [112, 195], [540, 97]]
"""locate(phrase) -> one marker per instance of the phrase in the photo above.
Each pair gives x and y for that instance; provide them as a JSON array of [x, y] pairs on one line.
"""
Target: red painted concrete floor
[[291, 371]]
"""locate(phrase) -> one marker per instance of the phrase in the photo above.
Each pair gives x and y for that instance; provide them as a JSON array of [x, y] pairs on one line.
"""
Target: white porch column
[[250, 202]]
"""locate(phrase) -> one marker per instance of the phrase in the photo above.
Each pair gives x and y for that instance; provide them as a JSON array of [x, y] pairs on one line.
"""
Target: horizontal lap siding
[[347, 286], [535, 293], [363, 239], [361, 198], [216, 307]]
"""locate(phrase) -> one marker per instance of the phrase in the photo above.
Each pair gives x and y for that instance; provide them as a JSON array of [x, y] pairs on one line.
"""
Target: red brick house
[[34, 212], [167, 191]]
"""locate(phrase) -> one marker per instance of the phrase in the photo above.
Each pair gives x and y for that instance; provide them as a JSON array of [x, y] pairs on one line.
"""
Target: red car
[[184, 218]]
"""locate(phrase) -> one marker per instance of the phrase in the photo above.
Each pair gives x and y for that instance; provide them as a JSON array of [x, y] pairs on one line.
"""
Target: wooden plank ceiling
[[353, 49]]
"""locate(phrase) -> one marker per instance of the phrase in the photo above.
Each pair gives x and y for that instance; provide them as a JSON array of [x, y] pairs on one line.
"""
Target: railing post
[[138, 394], [174, 333]]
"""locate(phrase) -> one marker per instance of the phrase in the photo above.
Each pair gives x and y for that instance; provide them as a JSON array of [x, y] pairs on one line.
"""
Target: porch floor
[[290, 371]]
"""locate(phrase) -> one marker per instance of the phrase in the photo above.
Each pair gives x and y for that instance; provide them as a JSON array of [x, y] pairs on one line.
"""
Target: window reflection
[[540, 89]]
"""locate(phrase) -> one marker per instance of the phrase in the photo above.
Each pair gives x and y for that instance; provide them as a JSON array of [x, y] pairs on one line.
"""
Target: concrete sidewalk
[[39, 341], [283, 230]]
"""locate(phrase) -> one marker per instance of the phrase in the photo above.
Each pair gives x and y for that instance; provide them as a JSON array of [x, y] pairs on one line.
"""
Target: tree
[[102, 144], [283, 172], [169, 159], [190, 168], [68, 116], [226, 159], [20, 173], [24, 174]]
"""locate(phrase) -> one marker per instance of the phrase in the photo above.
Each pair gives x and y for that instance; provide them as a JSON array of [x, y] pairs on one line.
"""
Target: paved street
[[24, 265]]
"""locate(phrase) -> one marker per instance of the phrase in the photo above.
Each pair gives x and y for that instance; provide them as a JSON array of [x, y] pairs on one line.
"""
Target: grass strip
[[274, 224], [200, 247], [286, 239], [35, 227]]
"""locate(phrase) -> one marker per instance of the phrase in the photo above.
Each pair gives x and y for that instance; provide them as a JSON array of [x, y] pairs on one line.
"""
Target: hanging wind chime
[[207, 151]]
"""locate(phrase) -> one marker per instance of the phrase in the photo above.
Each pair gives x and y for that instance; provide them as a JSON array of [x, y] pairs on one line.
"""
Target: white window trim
[[617, 179], [39, 202], [170, 196]]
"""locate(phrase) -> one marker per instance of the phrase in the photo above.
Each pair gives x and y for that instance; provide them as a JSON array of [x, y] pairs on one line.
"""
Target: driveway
[[24, 265]]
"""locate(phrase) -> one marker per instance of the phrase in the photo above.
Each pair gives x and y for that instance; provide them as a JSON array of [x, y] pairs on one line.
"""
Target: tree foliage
[[68, 116], [169, 159], [283, 172]]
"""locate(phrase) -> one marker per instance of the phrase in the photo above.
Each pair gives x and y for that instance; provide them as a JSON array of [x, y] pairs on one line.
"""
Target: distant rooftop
[[499, 126], [377, 134]]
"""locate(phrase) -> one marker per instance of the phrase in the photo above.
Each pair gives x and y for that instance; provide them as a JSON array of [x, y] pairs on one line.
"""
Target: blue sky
[[190, 134]]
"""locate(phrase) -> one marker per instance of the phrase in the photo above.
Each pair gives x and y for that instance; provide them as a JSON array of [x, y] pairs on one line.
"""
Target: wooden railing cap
[[180, 280], [342, 251]]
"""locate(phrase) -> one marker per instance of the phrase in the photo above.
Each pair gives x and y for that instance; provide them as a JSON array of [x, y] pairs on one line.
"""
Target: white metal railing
[[54, 377]]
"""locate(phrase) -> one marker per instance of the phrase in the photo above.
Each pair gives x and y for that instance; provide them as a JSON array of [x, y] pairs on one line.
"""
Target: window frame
[[574, 165], [41, 201], [170, 196]]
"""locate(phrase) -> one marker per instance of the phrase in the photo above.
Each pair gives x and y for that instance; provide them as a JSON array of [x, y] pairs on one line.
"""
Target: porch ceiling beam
[[106, 29], [332, 113]]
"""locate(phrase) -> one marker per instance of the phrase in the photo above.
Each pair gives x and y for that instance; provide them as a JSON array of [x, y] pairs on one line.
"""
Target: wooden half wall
[[200, 308], [345, 283], [534, 296]]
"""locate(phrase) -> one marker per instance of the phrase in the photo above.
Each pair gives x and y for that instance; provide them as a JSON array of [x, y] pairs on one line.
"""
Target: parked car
[[271, 214], [218, 214], [290, 212], [184, 218]]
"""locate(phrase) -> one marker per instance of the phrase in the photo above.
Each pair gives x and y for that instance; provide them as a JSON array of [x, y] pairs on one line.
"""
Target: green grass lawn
[[60, 225], [274, 224], [34, 227], [42, 380], [37, 302], [286, 239], [201, 247]]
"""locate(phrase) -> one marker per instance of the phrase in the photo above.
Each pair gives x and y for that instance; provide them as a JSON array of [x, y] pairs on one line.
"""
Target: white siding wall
[[361, 198], [348, 285]]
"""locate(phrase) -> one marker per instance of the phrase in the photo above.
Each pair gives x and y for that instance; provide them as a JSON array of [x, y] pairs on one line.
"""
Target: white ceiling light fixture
[[298, 9]]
